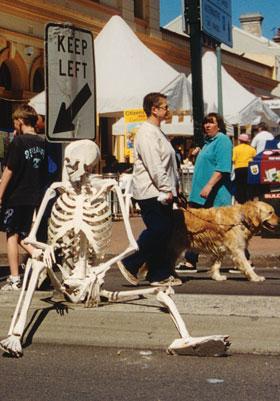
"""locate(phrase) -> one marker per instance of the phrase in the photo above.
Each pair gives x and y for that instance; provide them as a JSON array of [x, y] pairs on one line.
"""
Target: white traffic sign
[[216, 20], [70, 83]]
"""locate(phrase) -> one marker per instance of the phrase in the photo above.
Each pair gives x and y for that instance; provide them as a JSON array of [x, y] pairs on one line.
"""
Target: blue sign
[[216, 20]]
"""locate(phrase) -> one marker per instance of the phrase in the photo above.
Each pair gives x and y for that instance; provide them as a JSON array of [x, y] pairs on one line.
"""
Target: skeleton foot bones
[[79, 233]]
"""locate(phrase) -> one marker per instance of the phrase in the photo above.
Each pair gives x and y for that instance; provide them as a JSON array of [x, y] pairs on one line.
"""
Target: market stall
[[264, 171], [240, 107]]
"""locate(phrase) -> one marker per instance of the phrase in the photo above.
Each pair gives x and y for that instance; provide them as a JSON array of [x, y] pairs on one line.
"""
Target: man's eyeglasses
[[163, 107]]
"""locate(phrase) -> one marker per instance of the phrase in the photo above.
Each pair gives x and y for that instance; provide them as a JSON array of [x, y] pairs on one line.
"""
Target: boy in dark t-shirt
[[21, 187]]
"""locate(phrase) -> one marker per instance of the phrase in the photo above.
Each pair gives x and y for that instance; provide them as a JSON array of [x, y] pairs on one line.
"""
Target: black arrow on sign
[[65, 116]]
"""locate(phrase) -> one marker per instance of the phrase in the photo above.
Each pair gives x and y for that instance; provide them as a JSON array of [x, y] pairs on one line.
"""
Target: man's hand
[[165, 198], [169, 199]]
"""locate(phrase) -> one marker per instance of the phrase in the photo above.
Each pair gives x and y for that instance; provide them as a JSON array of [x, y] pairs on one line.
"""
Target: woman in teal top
[[211, 179]]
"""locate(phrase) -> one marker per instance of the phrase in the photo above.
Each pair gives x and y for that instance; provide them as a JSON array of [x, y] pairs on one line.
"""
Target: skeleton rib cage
[[75, 216]]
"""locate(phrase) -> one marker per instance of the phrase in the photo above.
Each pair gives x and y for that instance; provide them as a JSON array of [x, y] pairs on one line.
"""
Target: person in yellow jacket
[[242, 155]]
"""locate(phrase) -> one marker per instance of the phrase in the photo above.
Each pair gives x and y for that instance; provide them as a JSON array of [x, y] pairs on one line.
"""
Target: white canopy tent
[[178, 126], [239, 105], [39, 103], [126, 70]]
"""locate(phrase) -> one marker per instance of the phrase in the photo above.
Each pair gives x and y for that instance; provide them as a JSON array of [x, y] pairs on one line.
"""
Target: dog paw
[[218, 277], [257, 279]]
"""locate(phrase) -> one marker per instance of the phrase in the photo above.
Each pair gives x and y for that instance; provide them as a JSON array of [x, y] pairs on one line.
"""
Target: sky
[[269, 9]]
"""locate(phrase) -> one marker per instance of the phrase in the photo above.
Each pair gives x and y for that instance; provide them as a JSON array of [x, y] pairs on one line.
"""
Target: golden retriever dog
[[217, 231]]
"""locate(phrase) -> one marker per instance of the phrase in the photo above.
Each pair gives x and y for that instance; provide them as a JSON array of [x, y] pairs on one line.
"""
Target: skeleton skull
[[80, 158]]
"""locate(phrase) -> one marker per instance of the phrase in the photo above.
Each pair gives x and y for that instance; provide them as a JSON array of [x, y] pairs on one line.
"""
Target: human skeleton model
[[80, 230]]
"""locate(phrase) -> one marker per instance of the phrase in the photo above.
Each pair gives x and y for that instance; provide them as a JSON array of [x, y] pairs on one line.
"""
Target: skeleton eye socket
[[88, 168], [73, 165]]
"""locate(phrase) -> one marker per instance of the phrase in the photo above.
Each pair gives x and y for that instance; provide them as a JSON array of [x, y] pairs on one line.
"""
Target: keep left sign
[[70, 83]]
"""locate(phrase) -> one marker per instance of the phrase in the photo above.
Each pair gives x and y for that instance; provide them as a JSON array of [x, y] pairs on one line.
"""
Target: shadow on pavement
[[38, 317]]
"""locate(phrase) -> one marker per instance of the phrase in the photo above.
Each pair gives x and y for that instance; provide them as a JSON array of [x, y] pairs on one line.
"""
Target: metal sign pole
[[192, 18], [219, 79]]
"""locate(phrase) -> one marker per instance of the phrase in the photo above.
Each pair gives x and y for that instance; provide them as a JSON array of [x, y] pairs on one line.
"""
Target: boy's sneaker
[[185, 267], [12, 284]]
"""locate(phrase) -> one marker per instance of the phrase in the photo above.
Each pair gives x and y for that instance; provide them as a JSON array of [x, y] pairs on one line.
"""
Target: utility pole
[[192, 20]]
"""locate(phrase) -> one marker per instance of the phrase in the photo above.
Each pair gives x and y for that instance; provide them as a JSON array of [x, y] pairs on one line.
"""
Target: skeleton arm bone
[[132, 246], [50, 193], [132, 242], [49, 257], [115, 187]]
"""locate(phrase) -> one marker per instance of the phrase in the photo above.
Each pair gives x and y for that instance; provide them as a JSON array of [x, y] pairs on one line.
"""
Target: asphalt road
[[71, 373]]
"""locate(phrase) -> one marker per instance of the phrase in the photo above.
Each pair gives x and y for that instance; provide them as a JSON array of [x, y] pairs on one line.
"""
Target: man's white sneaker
[[12, 284], [185, 267], [169, 281]]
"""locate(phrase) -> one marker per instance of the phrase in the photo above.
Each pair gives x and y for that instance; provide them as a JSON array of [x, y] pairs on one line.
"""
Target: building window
[[5, 77], [139, 9], [6, 123], [38, 80]]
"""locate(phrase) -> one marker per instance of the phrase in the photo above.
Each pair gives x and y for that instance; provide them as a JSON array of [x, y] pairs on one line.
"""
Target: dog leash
[[183, 203]]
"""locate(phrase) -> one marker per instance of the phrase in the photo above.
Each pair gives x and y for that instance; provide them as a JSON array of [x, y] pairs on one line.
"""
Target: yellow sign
[[134, 115], [133, 118]]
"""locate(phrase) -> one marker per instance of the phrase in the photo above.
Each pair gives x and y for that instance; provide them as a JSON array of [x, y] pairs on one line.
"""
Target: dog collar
[[245, 223]]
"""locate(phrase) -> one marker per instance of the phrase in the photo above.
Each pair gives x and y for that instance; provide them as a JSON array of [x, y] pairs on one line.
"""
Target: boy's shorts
[[17, 220]]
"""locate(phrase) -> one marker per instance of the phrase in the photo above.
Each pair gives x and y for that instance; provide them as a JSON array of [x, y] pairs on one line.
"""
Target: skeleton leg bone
[[12, 344], [115, 296], [215, 345]]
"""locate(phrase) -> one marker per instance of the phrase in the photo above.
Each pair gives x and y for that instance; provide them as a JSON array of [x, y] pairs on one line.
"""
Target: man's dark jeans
[[153, 241]]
